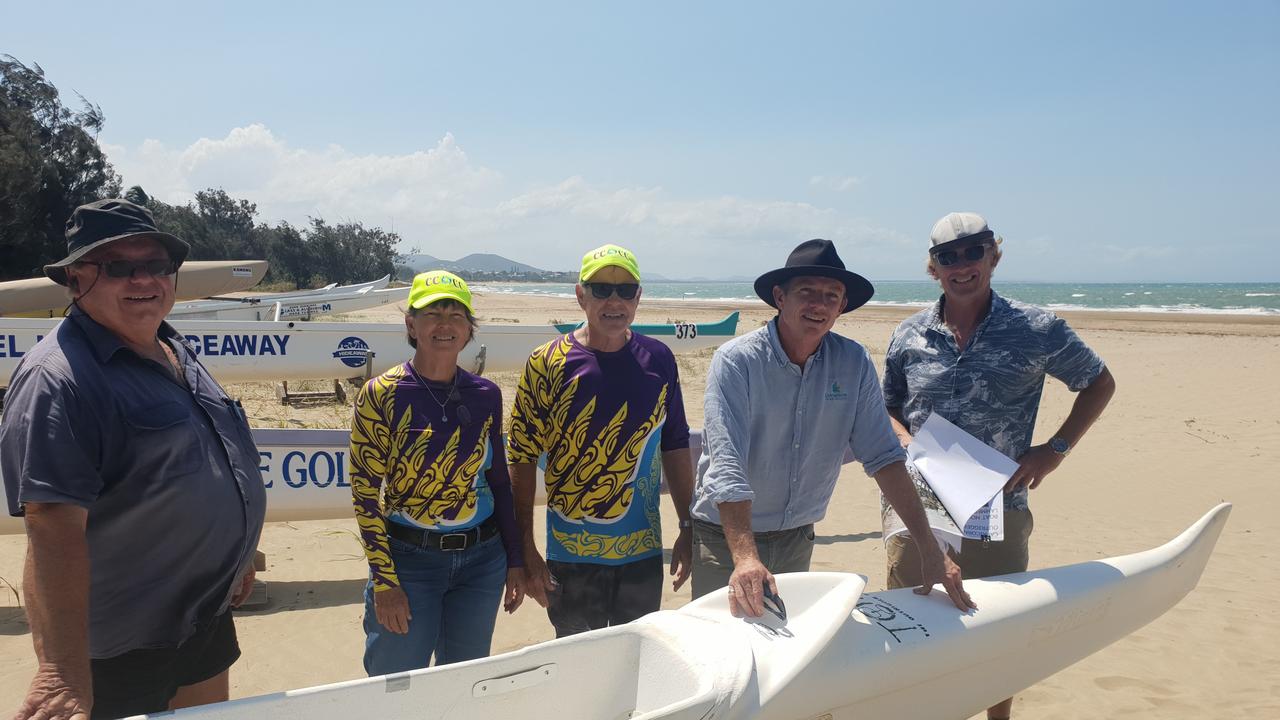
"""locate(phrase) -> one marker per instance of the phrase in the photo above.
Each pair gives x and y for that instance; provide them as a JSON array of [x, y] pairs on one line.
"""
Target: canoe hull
[[839, 654], [42, 297], [250, 351]]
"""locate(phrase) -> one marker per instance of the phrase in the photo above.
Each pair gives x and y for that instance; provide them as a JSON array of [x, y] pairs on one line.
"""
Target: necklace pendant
[[444, 417]]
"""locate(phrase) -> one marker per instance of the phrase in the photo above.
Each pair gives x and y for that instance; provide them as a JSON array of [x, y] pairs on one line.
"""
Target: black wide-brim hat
[[817, 258], [106, 221]]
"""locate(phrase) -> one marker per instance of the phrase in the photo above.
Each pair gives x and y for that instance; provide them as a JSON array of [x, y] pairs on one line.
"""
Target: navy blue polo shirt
[[169, 475]]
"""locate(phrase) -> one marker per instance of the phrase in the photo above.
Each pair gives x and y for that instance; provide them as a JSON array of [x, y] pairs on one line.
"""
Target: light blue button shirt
[[777, 436]]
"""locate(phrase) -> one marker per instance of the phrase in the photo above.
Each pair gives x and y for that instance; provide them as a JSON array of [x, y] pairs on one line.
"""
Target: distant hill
[[480, 266], [475, 262]]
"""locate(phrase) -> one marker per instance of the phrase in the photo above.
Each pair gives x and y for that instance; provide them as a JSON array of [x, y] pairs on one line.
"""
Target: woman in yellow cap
[[432, 494]]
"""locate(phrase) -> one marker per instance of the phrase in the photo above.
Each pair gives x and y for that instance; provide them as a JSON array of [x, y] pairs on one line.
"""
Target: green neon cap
[[437, 285], [606, 255]]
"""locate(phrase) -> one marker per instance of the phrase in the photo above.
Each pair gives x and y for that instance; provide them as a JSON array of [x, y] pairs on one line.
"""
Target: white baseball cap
[[960, 226]]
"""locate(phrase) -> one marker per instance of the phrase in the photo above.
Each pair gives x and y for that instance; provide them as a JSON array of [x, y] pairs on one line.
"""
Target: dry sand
[[1194, 422]]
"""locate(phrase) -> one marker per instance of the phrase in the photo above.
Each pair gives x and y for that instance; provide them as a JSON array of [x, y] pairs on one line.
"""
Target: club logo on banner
[[352, 351]]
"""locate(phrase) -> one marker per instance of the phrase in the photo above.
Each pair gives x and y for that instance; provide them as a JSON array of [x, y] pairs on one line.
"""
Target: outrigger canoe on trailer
[[42, 297], [834, 652], [248, 350], [301, 304]]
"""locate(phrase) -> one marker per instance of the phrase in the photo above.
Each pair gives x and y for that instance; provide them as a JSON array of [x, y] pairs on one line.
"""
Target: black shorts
[[592, 596], [145, 680]]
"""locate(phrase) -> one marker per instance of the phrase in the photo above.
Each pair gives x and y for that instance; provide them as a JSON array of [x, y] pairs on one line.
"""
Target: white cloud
[[443, 203], [838, 183]]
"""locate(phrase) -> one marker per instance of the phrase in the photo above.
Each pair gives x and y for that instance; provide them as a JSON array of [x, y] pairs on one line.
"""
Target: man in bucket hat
[[994, 395], [138, 481], [783, 404]]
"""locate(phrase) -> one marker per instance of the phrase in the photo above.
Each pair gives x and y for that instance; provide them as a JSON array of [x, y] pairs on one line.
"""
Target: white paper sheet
[[966, 474]]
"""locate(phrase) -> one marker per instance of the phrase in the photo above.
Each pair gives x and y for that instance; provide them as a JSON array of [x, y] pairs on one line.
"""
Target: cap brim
[[857, 289], [426, 300], [976, 239], [176, 248]]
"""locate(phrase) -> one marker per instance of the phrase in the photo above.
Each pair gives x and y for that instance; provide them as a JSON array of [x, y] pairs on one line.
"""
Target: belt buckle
[[452, 542]]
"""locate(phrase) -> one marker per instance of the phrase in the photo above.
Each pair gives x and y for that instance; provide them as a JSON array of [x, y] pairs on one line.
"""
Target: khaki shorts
[[976, 559]]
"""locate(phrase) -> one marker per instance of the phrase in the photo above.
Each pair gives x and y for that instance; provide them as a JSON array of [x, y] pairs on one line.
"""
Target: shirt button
[[796, 446]]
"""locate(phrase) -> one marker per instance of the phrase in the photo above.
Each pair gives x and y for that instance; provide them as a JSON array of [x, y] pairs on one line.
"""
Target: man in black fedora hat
[[783, 405], [138, 481]]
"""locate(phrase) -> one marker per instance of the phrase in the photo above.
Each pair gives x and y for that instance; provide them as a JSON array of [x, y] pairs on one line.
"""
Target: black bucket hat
[[817, 257], [105, 221]]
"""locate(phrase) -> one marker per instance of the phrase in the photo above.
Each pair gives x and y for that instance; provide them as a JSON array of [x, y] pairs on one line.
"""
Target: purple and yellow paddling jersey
[[603, 419], [417, 463]]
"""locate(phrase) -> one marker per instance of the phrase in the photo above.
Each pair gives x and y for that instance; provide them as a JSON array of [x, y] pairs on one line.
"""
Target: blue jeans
[[453, 597]]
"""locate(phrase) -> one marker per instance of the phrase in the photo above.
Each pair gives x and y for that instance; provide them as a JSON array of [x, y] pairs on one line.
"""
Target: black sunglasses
[[601, 291], [973, 253], [126, 268]]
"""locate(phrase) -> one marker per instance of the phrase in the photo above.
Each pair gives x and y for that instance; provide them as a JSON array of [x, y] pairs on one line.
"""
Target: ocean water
[[1229, 298]]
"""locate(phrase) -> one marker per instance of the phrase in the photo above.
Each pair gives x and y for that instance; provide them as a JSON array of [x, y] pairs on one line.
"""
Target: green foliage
[[50, 163]]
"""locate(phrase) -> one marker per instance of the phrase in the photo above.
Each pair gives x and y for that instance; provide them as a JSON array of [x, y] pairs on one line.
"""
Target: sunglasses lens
[[947, 258], [126, 268], [118, 268], [626, 291], [974, 253]]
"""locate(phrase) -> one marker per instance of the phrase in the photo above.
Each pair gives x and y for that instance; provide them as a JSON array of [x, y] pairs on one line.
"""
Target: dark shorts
[[592, 596], [145, 680], [976, 559]]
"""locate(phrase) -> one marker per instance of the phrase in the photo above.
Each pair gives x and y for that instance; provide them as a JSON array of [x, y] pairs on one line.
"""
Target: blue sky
[[1106, 141]]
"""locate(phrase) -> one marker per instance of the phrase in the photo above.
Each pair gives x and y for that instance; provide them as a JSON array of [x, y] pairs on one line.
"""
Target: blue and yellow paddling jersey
[[420, 464], [603, 419]]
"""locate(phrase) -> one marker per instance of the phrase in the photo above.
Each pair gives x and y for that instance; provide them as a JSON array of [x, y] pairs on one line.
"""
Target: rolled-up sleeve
[[727, 432], [872, 439], [1069, 359], [49, 443]]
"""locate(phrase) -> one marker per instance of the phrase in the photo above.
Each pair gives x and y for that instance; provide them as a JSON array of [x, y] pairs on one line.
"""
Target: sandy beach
[[1194, 422]]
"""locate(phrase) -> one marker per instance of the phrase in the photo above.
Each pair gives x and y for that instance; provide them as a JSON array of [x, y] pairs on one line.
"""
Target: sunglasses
[[602, 291], [126, 268], [973, 253]]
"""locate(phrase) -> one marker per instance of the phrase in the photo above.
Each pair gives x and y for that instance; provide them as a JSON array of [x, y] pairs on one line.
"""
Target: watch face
[[1059, 445]]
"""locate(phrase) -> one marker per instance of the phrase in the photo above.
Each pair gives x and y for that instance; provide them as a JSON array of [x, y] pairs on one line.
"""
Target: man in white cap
[[1007, 348]]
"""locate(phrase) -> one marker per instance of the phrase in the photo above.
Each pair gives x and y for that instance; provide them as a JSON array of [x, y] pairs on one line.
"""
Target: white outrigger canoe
[[249, 350], [42, 297], [303, 304], [839, 654]]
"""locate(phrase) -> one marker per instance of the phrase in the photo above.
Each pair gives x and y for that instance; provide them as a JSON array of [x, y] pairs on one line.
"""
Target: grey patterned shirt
[[992, 389]]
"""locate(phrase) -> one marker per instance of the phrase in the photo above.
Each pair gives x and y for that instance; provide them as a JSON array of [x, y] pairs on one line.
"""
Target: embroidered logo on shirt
[[835, 392]]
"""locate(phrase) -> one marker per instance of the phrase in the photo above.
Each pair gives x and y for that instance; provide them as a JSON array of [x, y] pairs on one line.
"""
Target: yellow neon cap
[[437, 285], [606, 255]]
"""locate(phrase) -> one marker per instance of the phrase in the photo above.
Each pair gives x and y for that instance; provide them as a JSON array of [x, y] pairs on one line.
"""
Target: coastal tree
[[50, 162]]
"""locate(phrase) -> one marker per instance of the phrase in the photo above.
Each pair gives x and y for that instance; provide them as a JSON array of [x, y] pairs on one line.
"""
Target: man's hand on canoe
[[746, 587], [935, 568]]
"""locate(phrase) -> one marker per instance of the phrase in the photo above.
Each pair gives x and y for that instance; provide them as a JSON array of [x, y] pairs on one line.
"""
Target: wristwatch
[[686, 524], [1060, 446]]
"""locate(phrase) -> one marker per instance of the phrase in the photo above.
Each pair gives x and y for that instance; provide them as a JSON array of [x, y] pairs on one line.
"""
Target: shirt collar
[[105, 344], [999, 306], [780, 355]]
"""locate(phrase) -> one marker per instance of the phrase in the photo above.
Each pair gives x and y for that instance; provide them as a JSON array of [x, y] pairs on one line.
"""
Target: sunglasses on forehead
[[972, 253], [601, 291], [126, 268]]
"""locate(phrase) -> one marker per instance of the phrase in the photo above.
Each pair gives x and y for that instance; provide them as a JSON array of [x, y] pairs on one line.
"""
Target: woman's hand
[[391, 607], [514, 594]]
